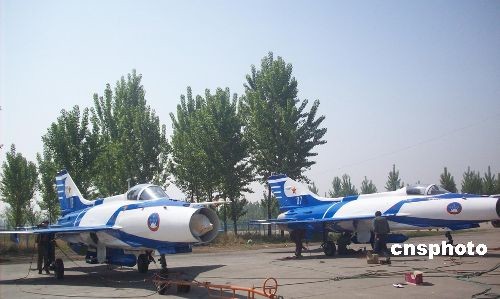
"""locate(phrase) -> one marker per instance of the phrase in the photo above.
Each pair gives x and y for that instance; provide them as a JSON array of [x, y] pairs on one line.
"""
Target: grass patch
[[244, 241], [26, 245]]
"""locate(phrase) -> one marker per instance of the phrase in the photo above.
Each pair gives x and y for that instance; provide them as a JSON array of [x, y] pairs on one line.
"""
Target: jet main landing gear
[[59, 269], [328, 245], [142, 263], [329, 248]]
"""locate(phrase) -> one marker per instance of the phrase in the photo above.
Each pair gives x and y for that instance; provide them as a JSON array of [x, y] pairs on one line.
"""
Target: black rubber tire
[[59, 268], [162, 289], [142, 263], [329, 248]]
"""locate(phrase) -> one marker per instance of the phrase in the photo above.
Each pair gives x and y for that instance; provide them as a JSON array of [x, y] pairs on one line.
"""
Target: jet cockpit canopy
[[146, 192], [425, 190]]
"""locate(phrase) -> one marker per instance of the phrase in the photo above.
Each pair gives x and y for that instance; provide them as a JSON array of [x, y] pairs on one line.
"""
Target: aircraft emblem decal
[[454, 208], [154, 222], [294, 190]]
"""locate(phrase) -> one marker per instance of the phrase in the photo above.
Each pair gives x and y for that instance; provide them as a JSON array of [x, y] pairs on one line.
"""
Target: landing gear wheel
[[270, 287], [162, 288], [59, 269], [163, 263], [329, 248], [142, 263]]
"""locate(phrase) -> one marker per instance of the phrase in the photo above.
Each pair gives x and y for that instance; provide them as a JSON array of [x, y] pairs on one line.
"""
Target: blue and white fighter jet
[[409, 208], [125, 229]]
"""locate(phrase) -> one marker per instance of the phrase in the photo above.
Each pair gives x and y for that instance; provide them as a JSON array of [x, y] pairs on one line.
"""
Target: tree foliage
[[447, 181], [489, 181], [132, 145], [50, 200], [367, 187], [209, 153], [254, 210], [313, 188], [229, 148], [270, 207], [336, 187], [342, 187], [347, 187], [18, 185], [497, 184], [69, 144], [471, 182], [189, 162], [393, 180], [281, 132]]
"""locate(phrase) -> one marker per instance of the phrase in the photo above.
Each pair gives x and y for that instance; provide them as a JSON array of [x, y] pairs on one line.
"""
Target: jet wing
[[208, 203], [63, 230], [323, 220]]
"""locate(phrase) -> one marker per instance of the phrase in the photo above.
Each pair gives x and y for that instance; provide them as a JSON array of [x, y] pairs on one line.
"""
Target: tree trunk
[[235, 227], [234, 217], [224, 217], [269, 210]]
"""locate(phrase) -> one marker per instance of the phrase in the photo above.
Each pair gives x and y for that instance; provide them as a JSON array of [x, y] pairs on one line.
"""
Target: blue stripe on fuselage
[[429, 222], [162, 246], [334, 209], [145, 204], [80, 216], [395, 208]]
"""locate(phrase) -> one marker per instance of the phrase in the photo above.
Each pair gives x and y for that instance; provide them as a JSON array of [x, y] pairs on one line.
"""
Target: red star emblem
[[294, 190]]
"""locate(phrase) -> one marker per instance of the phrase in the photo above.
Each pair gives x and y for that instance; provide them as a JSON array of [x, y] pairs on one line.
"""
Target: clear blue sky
[[415, 83]]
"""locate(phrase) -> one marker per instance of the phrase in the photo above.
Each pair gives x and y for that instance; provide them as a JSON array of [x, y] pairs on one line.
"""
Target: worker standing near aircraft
[[381, 230], [297, 236], [43, 241], [51, 251]]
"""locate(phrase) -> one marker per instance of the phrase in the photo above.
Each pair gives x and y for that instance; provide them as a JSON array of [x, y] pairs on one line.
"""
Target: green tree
[[50, 200], [312, 187], [471, 182], [489, 181], [447, 181], [33, 216], [281, 132], [347, 187], [342, 187], [254, 210], [393, 180], [237, 210], [132, 143], [189, 163], [367, 187], [269, 205], [209, 153], [18, 185], [497, 184], [69, 144], [228, 149], [336, 187]]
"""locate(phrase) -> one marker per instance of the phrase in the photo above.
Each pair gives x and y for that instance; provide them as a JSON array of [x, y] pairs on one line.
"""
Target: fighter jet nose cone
[[200, 225]]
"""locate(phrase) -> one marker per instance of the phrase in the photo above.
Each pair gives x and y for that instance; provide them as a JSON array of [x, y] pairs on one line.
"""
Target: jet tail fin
[[292, 194], [70, 198]]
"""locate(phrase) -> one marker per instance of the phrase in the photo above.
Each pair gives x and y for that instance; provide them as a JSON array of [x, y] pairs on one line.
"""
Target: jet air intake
[[496, 223], [204, 225]]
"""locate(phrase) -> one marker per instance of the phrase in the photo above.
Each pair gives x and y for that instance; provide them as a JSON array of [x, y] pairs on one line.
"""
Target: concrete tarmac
[[313, 276]]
